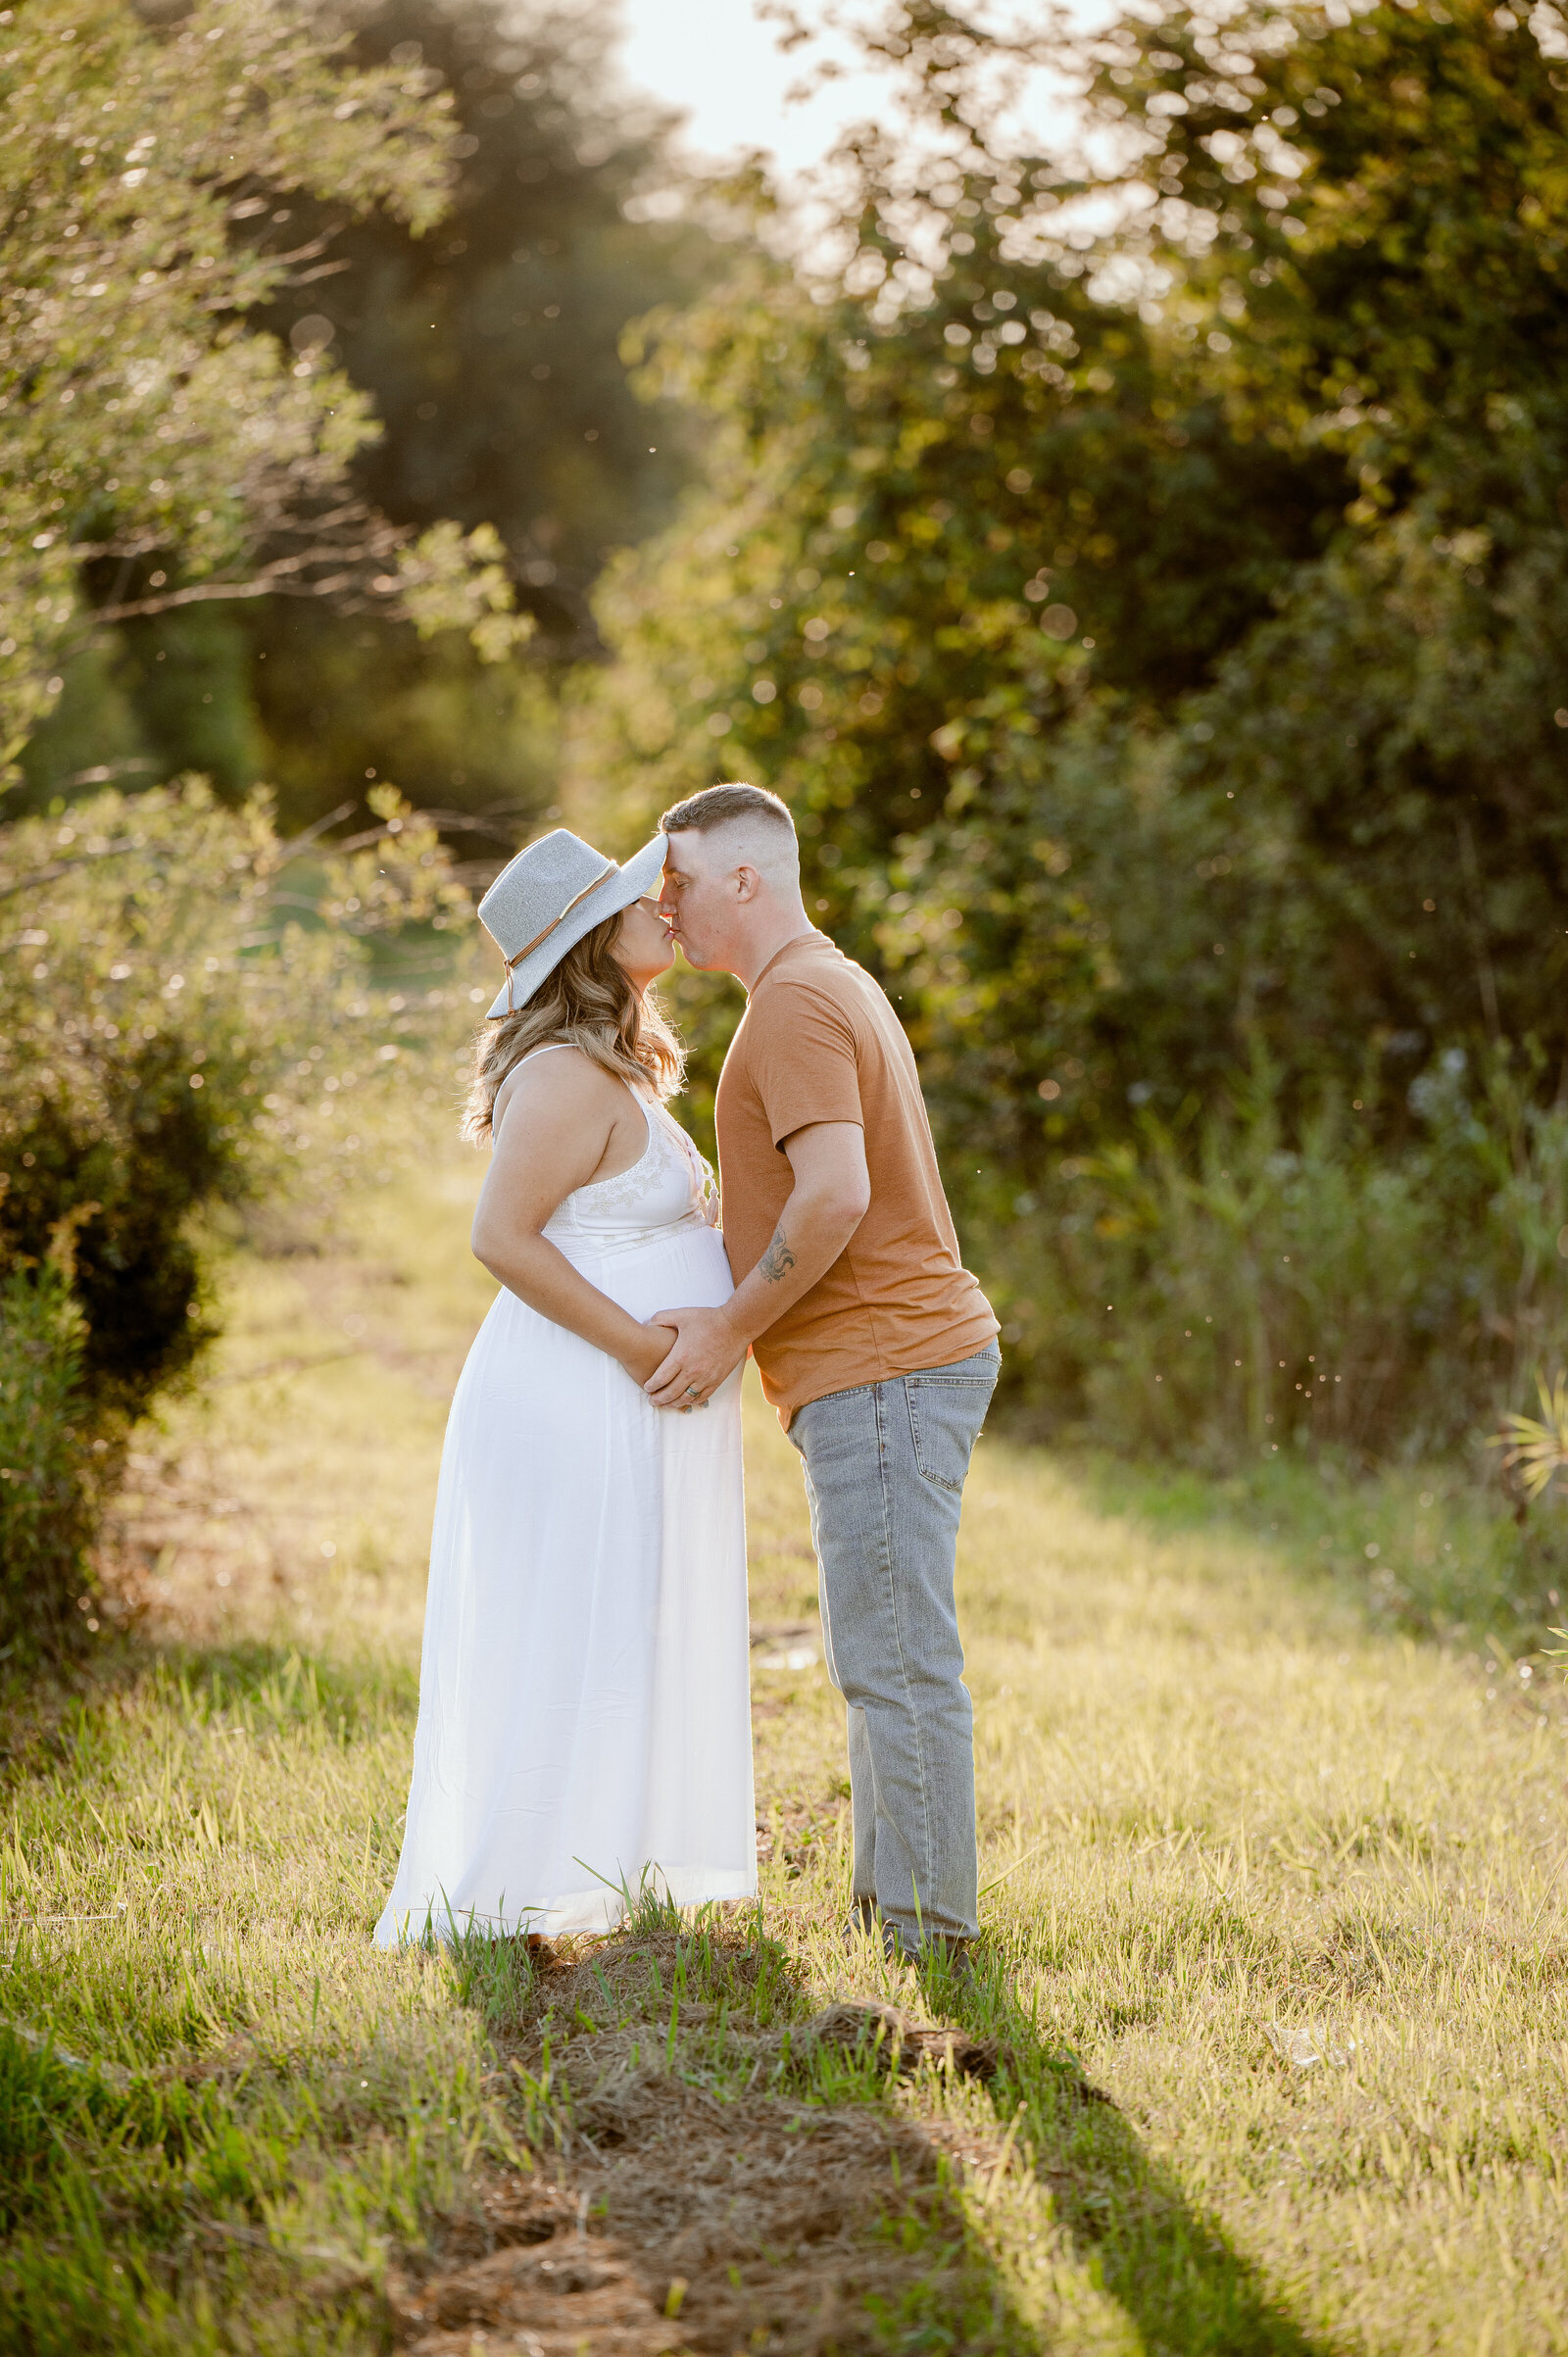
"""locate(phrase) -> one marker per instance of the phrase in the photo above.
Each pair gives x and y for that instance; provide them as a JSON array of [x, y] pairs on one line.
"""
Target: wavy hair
[[587, 1001]]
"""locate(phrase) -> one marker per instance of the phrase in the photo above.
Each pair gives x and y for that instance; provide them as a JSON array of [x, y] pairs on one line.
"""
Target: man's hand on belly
[[825, 1206], [707, 1349]]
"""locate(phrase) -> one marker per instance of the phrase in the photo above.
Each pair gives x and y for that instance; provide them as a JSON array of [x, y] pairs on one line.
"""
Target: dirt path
[[703, 2194]]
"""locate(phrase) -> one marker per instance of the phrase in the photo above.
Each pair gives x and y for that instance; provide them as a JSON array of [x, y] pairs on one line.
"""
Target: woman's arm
[[553, 1122]]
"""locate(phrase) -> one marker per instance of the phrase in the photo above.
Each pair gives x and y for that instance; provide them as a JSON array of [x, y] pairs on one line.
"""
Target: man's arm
[[827, 1204]]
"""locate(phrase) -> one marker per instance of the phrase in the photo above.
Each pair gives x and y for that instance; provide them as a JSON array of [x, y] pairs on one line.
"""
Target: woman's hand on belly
[[642, 1363]]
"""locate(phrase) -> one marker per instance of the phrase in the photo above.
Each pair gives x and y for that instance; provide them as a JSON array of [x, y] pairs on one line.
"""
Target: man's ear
[[747, 883]]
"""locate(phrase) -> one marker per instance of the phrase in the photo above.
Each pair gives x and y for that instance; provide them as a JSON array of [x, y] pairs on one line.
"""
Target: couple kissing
[[584, 1726]]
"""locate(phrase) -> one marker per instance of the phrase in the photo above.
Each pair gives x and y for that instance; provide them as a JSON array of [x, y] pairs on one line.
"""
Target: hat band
[[611, 868]]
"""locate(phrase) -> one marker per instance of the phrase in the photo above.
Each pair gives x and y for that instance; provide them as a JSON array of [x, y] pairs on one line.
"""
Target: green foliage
[[1265, 1287], [93, 733], [150, 443], [476, 742], [1156, 630], [188, 674], [491, 349], [49, 1481], [1377, 203], [174, 1039], [1537, 1446], [489, 388]]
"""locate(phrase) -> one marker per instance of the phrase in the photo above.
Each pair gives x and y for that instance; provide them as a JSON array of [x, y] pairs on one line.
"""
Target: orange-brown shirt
[[819, 1041]]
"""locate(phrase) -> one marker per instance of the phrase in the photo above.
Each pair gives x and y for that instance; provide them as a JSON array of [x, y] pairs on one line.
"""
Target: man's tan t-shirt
[[819, 1041]]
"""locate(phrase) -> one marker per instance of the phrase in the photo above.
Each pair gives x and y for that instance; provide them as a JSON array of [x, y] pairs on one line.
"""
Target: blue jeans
[[885, 1468]]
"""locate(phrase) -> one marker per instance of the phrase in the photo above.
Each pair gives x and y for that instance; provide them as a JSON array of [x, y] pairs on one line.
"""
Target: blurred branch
[[298, 843], [37, 877], [104, 773], [323, 269]]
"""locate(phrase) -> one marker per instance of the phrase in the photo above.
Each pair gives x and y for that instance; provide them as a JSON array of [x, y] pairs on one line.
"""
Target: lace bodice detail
[[671, 1186]]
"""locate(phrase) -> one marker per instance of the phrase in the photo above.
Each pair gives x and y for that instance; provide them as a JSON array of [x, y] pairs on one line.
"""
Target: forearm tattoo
[[778, 1258]]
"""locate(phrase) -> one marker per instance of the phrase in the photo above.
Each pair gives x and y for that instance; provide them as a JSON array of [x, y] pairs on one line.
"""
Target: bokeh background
[[1108, 470]]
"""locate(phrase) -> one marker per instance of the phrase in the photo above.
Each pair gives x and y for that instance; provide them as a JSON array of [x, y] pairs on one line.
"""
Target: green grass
[[1236, 1815], [1427, 1551]]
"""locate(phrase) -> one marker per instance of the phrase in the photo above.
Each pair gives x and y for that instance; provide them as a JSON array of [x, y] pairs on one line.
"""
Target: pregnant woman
[[584, 1726]]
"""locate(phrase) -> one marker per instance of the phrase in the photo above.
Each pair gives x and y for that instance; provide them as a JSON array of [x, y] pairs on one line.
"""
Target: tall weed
[[1232, 1286]]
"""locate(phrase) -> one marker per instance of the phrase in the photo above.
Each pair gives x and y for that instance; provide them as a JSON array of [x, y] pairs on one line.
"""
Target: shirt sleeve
[[803, 1063]]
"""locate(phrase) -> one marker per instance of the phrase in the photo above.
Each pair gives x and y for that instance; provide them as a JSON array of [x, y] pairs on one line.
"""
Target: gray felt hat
[[545, 900]]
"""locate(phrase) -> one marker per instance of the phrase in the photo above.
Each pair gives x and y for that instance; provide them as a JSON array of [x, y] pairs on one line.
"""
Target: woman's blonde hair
[[590, 1001]]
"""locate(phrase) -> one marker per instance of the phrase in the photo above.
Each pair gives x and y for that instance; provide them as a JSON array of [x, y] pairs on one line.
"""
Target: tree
[[1377, 208], [928, 460], [155, 455], [489, 351], [1156, 626], [492, 352]]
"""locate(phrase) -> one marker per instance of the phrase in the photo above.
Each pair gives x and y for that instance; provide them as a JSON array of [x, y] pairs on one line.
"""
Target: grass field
[[1269, 2051]]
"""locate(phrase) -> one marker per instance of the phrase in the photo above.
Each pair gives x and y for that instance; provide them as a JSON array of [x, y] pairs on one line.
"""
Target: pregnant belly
[[684, 1268]]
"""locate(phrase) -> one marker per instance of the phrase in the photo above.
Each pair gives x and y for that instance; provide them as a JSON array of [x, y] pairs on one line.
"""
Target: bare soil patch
[[688, 2210]]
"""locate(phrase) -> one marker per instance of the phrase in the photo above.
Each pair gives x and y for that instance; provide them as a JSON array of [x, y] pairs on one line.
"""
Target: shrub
[[181, 1028], [47, 1462], [1242, 1292]]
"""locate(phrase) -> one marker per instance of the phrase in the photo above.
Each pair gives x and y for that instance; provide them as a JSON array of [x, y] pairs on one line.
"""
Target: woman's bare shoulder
[[559, 1081]]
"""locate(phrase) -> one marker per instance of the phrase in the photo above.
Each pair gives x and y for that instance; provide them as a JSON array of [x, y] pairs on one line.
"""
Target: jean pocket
[[945, 1413]]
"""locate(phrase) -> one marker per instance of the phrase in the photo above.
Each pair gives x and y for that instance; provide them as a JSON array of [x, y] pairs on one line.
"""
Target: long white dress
[[584, 1726]]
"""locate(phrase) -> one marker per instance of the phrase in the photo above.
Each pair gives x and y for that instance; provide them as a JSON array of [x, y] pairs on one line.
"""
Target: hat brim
[[616, 892]]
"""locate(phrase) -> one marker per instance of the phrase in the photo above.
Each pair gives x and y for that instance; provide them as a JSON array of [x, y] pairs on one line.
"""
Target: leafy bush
[[47, 1460], [1256, 1289], [181, 1028]]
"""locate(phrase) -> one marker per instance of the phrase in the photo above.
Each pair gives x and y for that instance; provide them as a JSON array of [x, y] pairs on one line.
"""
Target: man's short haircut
[[716, 805]]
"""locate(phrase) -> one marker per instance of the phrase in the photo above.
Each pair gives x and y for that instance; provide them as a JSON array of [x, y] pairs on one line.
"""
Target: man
[[875, 1345]]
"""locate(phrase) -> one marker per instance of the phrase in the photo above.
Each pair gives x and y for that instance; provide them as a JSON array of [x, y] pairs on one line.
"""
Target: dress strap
[[647, 1107], [548, 1048]]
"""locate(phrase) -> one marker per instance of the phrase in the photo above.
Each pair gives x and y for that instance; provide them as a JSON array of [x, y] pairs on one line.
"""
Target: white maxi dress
[[584, 1728]]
